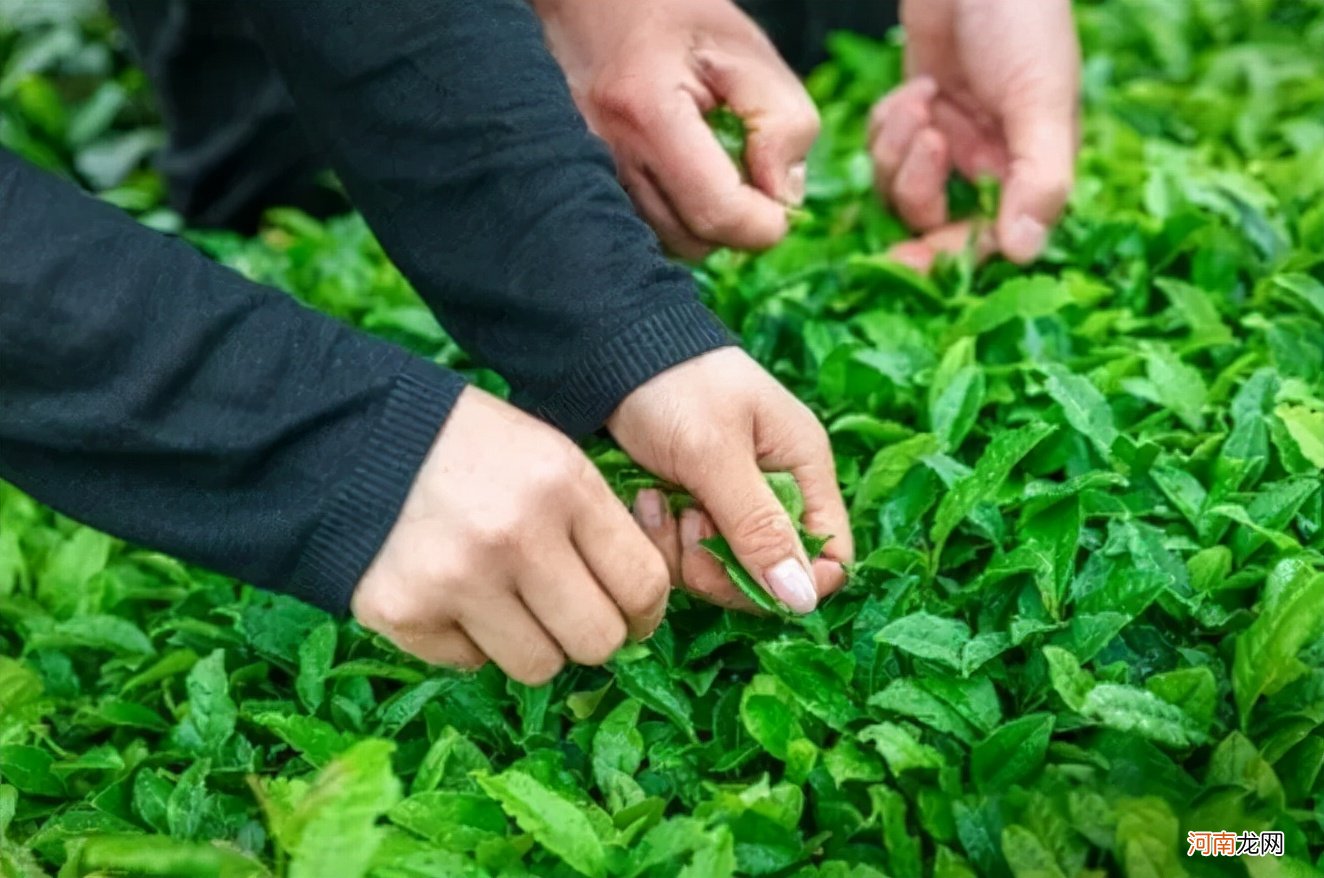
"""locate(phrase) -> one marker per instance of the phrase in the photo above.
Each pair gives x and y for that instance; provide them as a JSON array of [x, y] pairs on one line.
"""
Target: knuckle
[[807, 121], [715, 220], [467, 663], [539, 668], [656, 579], [560, 468], [713, 65], [817, 440], [386, 609], [764, 533], [599, 649], [620, 105], [687, 441], [649, 590], [906, 195], [493, 531]]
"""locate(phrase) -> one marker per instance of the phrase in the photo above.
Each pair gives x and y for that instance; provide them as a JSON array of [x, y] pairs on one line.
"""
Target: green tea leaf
[[1012, 753], [554, 822], [1173, 384], [1086, 409], [1022, 298], [928, 637], [1291, 614], [211, 712], [888, 467], [1027, 856], [818, 677], [334, 823], [1306, 427], [316, 655], [1003, 453], [317, 741]]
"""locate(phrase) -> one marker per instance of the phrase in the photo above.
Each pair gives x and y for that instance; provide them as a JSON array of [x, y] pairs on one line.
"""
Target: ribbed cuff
[[608, 374], [365, 510]]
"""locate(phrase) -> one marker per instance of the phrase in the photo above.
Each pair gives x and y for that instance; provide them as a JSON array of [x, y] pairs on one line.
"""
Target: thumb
[[761, 534], [1041, 142]]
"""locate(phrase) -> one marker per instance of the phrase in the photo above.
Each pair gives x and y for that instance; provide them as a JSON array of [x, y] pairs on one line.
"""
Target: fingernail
[[648, 507], [790, 583], [1027, 236], [795, 184], [691, 528]]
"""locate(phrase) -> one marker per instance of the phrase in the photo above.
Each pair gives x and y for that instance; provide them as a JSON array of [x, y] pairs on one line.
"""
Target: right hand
[[714, 425], [511, 547]]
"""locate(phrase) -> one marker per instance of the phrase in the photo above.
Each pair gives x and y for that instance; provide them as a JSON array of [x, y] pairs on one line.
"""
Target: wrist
[[617, 366], [364, 509]]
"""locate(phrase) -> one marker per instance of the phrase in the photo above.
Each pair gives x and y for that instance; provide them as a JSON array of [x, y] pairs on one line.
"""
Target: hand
[[713, 425], [992, 89], [510, 546], [645, 73]]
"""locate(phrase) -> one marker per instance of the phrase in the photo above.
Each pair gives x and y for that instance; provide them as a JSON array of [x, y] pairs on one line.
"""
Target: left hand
[[714, 425], [645, 73], [992, 88]]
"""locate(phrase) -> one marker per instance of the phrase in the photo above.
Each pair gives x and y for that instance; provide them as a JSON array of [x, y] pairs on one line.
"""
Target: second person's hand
[[645, 73], [992, 89], [511, 547], [714, 425]]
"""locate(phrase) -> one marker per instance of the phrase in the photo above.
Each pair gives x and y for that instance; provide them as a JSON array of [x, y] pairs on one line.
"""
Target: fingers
[[450, 647], [659, 525], [912, 158], [919, 189], [808, 456], [504, 629], [781, 122], [1039, 115], [571, 606], [829, 575], [702, 574], [953, 238], [976, 144], [894, 124], [679, 538], [623, 560], [703, 185], [658, 212], [803, 449], [761, 534], [1041, 143]]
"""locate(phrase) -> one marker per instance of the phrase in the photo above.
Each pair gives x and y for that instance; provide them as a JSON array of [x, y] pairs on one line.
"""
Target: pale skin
[[991, 88], [511, 547], [644, 73]]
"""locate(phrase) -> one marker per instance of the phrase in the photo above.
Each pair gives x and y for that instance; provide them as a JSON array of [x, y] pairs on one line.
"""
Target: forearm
[[455, 134], [148, 391]]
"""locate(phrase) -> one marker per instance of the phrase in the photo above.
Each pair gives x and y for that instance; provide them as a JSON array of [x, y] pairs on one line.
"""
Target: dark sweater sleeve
[[150, 392], [454, 132]]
